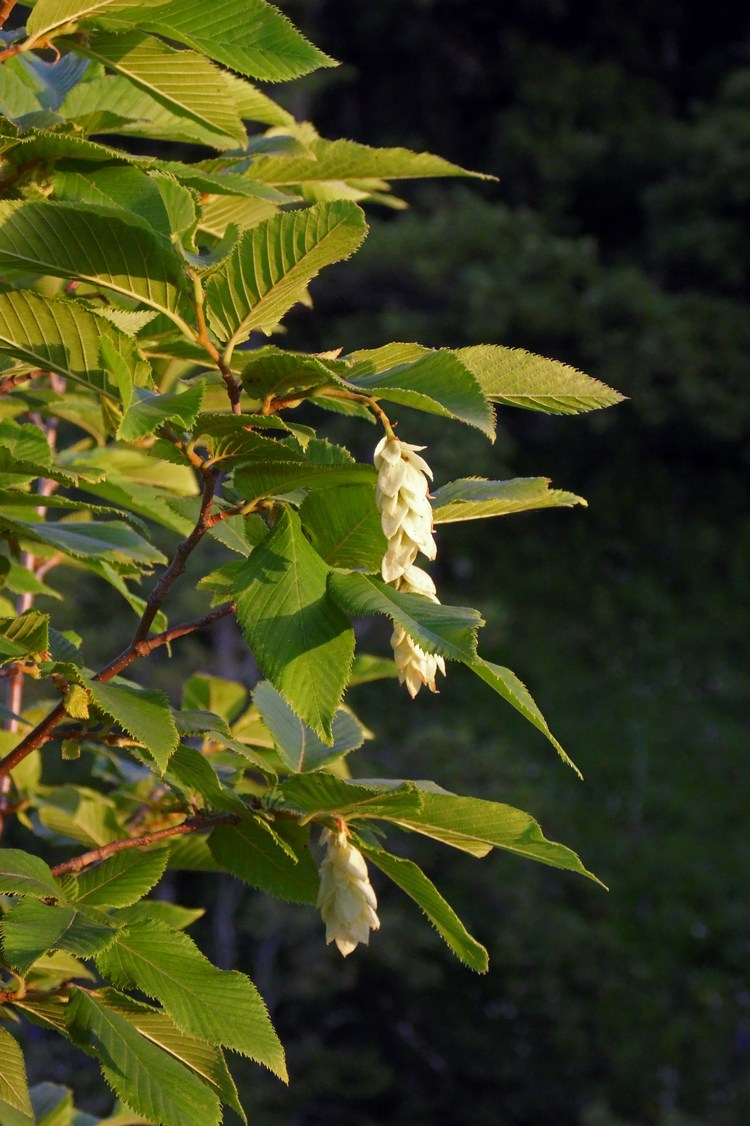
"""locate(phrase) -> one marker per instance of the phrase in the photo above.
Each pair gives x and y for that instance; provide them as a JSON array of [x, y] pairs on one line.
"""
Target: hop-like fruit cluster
[[403, 499], [415, 667], [402, 496], [346, 899]]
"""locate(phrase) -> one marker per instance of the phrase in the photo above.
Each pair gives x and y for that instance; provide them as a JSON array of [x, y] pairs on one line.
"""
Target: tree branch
[[141, 644], [6, 8], [234, 389], [142, 648], [191, 825], [177, 566]]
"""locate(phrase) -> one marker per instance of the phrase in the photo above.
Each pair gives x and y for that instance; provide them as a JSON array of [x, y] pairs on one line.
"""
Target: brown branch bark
[[141, 644], [6, 8], [45, 730], [179, 561], [191, 825]]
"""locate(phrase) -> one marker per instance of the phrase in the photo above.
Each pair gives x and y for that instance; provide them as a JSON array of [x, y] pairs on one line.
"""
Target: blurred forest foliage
[[616, 240]]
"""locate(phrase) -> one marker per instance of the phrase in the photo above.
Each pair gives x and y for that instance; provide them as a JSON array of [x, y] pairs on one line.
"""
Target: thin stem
[[147, 645], [202, 337], [45, 730], [367, 401], [191, 825], [180, 558]]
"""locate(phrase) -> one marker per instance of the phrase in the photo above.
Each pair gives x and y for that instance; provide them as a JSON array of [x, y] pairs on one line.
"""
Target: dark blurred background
[[616, 240]]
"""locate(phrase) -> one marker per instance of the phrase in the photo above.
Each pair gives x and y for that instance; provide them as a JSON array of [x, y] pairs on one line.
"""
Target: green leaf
[[53, 1104], [447, 630], [344, 527], [205, 1059], [150, 411], [411, 879], [433, 381], [252, 104], [31, 929], [203, 692], [79, 813], [68, 240], [475, 826], [507, 685], [62, 336], [272, 264], [276, 478], [186, 83], [219, 1006], [348, 160], [269, 369], [144, 1075], [24, 874], [103, 540], [249, 36], [14, 1088], [301, 640], [367, 668], [521, 379], [275, 858], [49, 15], [314, 794], [145, 716], [474, 498], [194, 775], [298, 746], [159, 910], [24, 636], [123, 879]]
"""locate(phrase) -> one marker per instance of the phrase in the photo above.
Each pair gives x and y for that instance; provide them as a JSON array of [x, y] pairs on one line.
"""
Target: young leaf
[[67, 240], [521, 379], [299, 747], [313, 794], [227, 698], [475, 826], [436, 382], [205, 1060], [272, 264], [250, 36], [344, 527], [301, 640], [507, 685], [24, 874], [169, 967], [49, 15], [473, 498], [79, 813], [150, 411], [109, 541], [186, 83], [411, 879], [14, 1088], [277, 478], [63, 337], [275, 859], [348, 160], [123, 879], [31, 929], [447, 630], [24, 636], [144, 715], [141, 1073]]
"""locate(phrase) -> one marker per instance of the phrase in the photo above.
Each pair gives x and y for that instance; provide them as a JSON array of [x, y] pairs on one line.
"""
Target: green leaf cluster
[[147, 426]]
